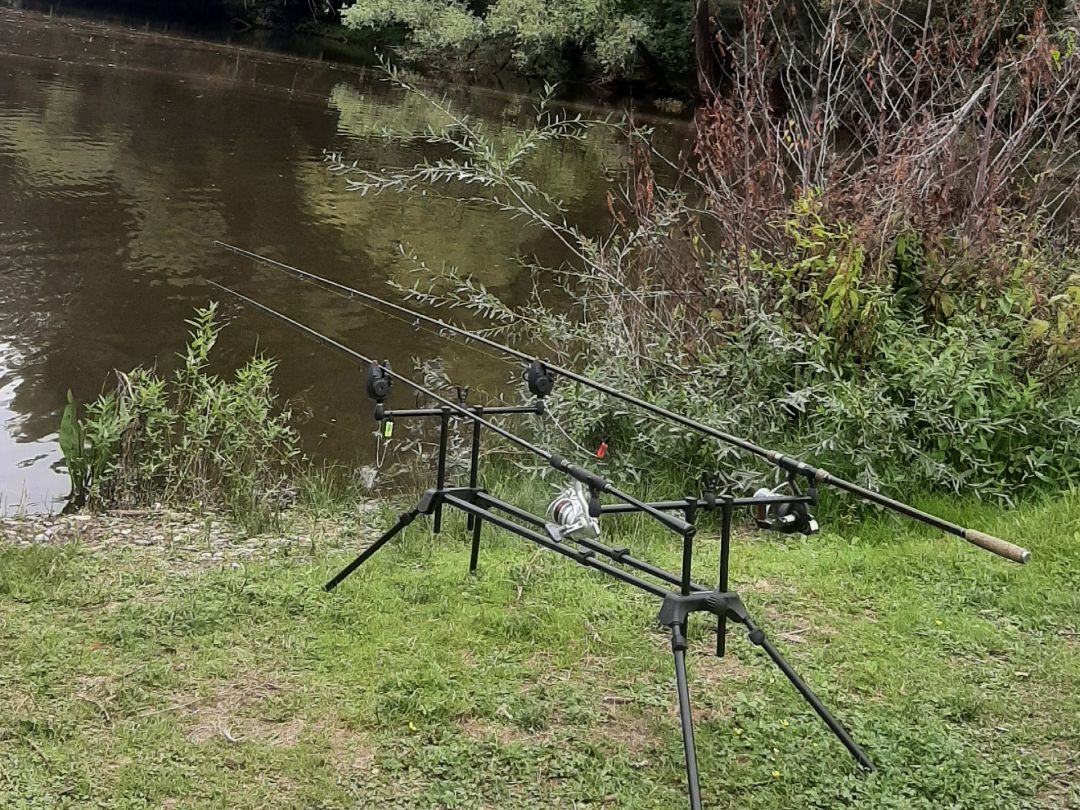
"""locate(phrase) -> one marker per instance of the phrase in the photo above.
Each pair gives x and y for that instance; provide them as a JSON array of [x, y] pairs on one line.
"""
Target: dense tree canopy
[[612, 37], [667, 42]]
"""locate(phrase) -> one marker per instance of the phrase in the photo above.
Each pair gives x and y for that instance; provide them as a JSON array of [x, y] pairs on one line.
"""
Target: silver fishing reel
[[786, 518], [569, 515]]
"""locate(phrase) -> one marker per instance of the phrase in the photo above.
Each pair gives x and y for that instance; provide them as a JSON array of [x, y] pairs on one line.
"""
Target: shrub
[[192, 438]]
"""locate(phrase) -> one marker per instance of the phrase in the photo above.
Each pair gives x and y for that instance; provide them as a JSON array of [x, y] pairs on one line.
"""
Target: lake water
[[125, 153]]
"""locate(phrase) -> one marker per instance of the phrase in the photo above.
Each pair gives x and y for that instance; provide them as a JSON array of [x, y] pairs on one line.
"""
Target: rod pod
[[477, 503]]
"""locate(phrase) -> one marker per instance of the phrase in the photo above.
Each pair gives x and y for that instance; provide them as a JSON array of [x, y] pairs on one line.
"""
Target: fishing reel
[[574, 514], [539, 378], [785, 517]]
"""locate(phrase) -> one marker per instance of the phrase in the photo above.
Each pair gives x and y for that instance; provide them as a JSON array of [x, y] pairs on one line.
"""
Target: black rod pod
[[995, 545], [539, 378], [579, 547]]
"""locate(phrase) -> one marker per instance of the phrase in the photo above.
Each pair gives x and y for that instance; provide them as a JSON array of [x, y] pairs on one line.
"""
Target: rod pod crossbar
[[676, 606], [793, 466]]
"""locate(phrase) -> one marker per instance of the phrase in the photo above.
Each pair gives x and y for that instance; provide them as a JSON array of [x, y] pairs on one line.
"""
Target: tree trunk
[[708, 66]]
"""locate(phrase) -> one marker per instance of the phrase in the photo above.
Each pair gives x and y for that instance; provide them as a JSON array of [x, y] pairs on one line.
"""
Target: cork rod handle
[[997, 546]]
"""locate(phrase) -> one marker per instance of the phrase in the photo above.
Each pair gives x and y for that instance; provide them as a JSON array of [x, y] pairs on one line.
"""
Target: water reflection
[[122, 156]]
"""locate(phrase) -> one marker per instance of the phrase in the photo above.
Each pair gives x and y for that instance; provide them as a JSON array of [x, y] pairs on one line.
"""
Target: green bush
[[929, 405], [192, 438], [606, 38]]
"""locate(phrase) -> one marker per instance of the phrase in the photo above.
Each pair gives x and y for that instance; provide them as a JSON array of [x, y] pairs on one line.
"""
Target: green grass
[[127, 680]]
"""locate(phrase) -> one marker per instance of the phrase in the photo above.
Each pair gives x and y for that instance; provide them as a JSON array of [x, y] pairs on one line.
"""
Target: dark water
[[123, 154]]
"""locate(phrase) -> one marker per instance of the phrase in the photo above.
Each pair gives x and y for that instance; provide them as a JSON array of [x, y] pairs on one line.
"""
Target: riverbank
[[185, 539], [136, 670]]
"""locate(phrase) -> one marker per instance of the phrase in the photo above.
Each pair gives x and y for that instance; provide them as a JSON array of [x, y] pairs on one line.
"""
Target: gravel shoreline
[[203, 539]]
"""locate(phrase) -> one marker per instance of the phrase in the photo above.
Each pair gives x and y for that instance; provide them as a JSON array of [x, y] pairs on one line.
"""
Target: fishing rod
[[596, 483], [792, 466]]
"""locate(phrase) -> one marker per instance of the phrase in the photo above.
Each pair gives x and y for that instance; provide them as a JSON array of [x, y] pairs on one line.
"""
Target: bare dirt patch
[[620, 720], [759, 586], [350, 751], [235, 712], [231, 712], [97, 691], [708, 670], [1062, 789], [16, 703], [483, 730], [630, 726]]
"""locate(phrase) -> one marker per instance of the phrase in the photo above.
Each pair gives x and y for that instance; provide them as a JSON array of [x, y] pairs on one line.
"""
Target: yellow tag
[[388, 428]]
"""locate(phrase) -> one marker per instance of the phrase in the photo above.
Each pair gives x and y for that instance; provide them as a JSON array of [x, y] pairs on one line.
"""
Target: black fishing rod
[[596, 483], [792, 466]]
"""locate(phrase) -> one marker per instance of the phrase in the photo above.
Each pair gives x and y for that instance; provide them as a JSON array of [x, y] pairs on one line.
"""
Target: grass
[[127, 680]]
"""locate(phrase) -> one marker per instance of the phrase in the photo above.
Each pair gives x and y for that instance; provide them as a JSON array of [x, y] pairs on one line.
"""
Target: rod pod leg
[[757, 636], [474, 551], [677, 608], [403, 521], [678, 650], [474, 472], [440, 474], [725, 552]]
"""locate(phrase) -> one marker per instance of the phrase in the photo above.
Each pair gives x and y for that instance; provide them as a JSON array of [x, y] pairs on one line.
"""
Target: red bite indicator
[[601, 451]]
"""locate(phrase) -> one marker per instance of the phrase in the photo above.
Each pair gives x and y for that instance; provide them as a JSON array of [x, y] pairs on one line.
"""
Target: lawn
[[139, 676]]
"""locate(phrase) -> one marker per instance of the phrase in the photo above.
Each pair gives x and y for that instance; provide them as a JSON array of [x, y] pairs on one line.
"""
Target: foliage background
[[883, 277]]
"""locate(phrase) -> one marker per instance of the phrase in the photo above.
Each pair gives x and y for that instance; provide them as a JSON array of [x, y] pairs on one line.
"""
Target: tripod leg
[[678, 648], [474, 476], [440, 474], [403, 521], [725, 552], [757, 636], [474, 554]]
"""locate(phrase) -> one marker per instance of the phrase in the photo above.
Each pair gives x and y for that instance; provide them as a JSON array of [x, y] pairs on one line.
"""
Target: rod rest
[[433, 497]]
